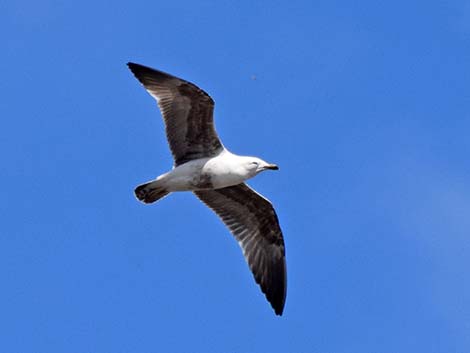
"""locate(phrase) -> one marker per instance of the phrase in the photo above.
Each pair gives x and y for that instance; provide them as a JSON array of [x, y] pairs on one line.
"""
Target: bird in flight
[[217, 177]]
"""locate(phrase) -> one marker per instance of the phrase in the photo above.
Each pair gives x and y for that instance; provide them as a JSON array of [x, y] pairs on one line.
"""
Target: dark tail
[[150, 192]]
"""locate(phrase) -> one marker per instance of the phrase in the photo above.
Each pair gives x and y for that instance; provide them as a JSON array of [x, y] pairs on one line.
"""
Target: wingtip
[[138, 67], [134, 67], [277, 298], [277, 302], [141, 72], [278, 307], [278, 311], [145, 73]]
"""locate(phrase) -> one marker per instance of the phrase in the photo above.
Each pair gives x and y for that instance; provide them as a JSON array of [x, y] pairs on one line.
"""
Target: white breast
[[225, 170]]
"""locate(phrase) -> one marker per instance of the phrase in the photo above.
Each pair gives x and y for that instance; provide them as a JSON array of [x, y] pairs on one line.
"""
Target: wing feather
[[253, 222], [187, 112]]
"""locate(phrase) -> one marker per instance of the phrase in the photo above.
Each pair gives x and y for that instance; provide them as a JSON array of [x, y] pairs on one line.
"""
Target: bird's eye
[[254, 163]]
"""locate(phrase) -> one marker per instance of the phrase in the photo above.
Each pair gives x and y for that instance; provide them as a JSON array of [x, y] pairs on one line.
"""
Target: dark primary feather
[[187, 111], [252, 220]]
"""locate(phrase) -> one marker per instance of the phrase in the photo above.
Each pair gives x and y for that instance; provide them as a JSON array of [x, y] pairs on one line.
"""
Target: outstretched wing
[[187, 111], [253, 222]]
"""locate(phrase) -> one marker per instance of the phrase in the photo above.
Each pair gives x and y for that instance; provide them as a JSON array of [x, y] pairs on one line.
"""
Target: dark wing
[[252, 220], [187, 111]]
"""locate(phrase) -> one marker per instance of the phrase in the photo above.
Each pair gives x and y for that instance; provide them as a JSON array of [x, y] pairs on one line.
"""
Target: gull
[[217, 177]]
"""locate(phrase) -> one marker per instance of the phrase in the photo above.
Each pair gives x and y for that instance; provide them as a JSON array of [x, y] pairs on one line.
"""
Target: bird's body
[[216, 176], [225, 169]]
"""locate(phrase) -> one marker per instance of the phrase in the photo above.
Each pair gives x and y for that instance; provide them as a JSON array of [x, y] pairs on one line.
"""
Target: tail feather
[[150, 192]]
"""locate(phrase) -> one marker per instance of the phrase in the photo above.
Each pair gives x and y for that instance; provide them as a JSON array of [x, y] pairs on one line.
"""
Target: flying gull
[[216, 176]]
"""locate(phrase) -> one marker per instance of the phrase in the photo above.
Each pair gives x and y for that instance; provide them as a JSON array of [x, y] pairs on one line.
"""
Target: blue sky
[[364, 106]]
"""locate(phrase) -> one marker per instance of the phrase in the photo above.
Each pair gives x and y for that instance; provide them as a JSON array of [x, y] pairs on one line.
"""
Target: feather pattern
[[254, 224], [187, 112]]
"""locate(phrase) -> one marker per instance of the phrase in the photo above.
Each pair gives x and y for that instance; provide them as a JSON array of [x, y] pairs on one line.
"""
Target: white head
[[255, 165]]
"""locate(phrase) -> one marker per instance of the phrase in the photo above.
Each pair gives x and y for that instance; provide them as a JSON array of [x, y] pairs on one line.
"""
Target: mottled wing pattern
[[252, 220], [187, 111]]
